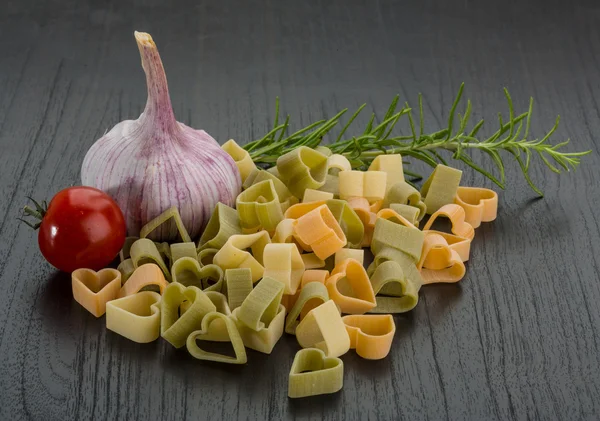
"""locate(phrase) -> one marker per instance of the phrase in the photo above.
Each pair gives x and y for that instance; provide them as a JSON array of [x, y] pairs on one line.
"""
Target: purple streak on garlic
[[152, 163]]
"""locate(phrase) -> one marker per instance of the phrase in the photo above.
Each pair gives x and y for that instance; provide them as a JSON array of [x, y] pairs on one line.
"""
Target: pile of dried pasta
[[277, 263]]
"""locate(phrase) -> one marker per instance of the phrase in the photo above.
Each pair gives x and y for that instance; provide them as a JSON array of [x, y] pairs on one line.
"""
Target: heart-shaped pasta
[[324, 329], [94, 289], [456, 214], [176, 324], [302, 168], [135, 317], [480, 205], [350, 288], [283, 263], [207, 333], [242, 158], [145, 277], [444, 264], [223, 223], [313, 373], [234, 255], [188, 272], [258, 207], [370, 335], [266, 337]]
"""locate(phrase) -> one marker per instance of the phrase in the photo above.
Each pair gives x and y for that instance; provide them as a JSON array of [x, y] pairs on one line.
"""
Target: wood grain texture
[[518, 338]]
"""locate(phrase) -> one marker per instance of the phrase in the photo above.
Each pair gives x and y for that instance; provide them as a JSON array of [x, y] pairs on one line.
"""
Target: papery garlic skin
[[152, 163]]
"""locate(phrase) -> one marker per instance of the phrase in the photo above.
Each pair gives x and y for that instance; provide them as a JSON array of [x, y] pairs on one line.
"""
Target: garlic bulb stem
[[158, 106]]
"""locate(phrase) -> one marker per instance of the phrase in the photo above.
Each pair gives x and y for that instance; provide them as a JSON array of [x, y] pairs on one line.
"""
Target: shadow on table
[[440, 298], [315, 406], [56, 303]]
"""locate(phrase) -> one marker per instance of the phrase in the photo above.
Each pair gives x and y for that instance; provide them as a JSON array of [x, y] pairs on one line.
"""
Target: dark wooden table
[[518, 338]]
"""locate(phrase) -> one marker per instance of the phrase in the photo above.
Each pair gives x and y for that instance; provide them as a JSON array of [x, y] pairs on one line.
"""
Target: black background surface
[[518, 338]]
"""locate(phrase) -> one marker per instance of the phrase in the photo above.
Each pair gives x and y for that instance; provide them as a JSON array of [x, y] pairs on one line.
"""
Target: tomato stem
[[37, 213]]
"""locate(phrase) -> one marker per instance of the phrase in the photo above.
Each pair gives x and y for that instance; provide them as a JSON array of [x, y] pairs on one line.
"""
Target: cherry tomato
[[83, 227]]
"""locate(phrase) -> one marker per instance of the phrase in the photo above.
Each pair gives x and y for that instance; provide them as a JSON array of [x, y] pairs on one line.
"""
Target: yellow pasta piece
[[261, 305], [313, 373], [405, 194], [144, 251], [370, 335], [242, 158], [324, 150], [264, 339], [284, 232], [148, 276], [283, 263], [324, 329], [343, 254], [456, 214], [480, 205], [444, 264], [223, 223], [176, 325], [126, 268], [187, 271], [94, 289], [135, 317], [400, 237], [239, 285], [274, 171], [250, 179], [302, 168], [337, 163], [311, 261], [311, 195], [440, 188], [259, 208], [395, 292], [356, 295], [368, 184], [211, 330], [207, 256], [332, 185], [179, 250], [233, 254], [161, 221], [391, 165], [309, 276], [311, 296], [410, 213], [320, 230]]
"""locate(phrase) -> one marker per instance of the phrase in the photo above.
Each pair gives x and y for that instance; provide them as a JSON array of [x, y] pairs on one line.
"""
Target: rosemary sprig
[[511, 137]]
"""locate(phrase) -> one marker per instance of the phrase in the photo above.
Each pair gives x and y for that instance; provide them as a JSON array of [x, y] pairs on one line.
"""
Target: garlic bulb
[[153, 163]]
